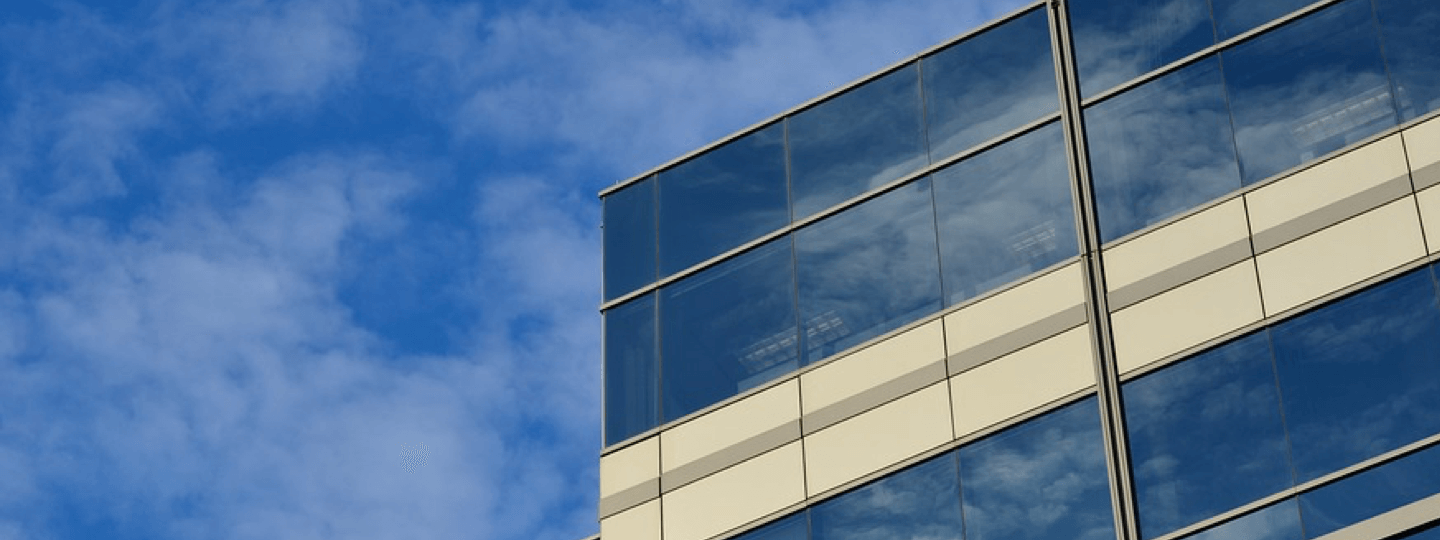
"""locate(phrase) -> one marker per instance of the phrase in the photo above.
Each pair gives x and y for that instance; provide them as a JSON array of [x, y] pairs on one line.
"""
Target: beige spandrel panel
[[1429, 201], [629, 476], [851, 384], [1341, 187], [1186, 316], [751, 490], [1015, 318], [1176, 253], [638, 523], [878, 438], [1342, 255], [730, 434], [1422, 144], [1023, 380]]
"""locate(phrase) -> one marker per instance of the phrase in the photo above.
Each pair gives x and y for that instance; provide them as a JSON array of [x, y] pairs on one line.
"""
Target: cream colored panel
[[735, 423], [1341, 255], [639, 523], [1186, 316], [1422, 144], [885, 361], [1023, 380], [878, 438], [1326, 183], [630, 466], [1179, 242], [1430, 216], [1027, 303], [736, 496]]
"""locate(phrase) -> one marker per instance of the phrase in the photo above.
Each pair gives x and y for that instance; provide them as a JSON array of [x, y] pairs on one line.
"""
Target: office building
[[1100, 269]]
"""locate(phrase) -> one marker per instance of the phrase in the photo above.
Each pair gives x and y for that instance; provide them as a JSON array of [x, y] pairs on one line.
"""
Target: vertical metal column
[[1102, 341]]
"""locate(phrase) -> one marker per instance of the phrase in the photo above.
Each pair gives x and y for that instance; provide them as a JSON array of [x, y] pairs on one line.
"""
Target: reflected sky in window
[[1411, 30], [722, 199], [728, 328], [989, 84], [1044, 479], [1118, 40], [856, 141], [629, 237], [1279, 521], [1307, 88], [1235, 17], [919, 503], [1361, 376], [868, 270], [1371, 493], [632, 366], [1206, 435], [1160, 149]]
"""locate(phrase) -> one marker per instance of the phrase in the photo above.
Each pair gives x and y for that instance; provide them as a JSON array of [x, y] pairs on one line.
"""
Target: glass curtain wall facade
[[1131, 269]]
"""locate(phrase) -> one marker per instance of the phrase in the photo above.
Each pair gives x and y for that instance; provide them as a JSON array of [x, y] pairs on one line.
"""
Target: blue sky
[[330, 268]]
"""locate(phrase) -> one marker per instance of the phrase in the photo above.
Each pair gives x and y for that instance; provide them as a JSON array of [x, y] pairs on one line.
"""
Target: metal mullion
[[1087, 228]]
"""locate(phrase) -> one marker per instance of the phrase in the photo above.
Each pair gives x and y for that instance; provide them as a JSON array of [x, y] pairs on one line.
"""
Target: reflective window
[[1360, 376], [1004, 214], [922, 502], [795, 527], [1225, 397], [629, 237], [1371, 493], [1043, 480], [722, 199], [1235, 17], [1411, 30], [1117, 40], [1161, 148], [1279, 521], [856, 141], [867, 270], [727, 328], [989, 84], [632, 376], [1307, 88]]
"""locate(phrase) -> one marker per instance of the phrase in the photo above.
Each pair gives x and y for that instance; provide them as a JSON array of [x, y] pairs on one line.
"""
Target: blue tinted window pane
[[1206, 435], [629, 236], [856, 141], [1117, 40], [1161, 149], [1411, 30], [867, 270], [989, 84], [1235, 17], [922, 502], [795, 527], [1371, 493], [1044, 479], [1004, 214], [1361, 376], [1431, 533], [1307, 88], [722, 199], [632, 374], [728, 328], [1279, 521]]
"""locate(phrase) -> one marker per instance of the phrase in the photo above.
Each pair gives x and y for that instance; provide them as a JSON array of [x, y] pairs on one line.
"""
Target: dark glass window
[[867, 270], [989, 84], [922, 502], [856, 141], [1371, 493], [795, 527], [1279, 521], [1117, 40], [632, 375], [1361, 376], [1307, 88], [1411, 30], [1042, 480], [1004, 214], [1160, 149], [722, 199], [1206, 435], [1235, 17], [727, 328], [629, 236]]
